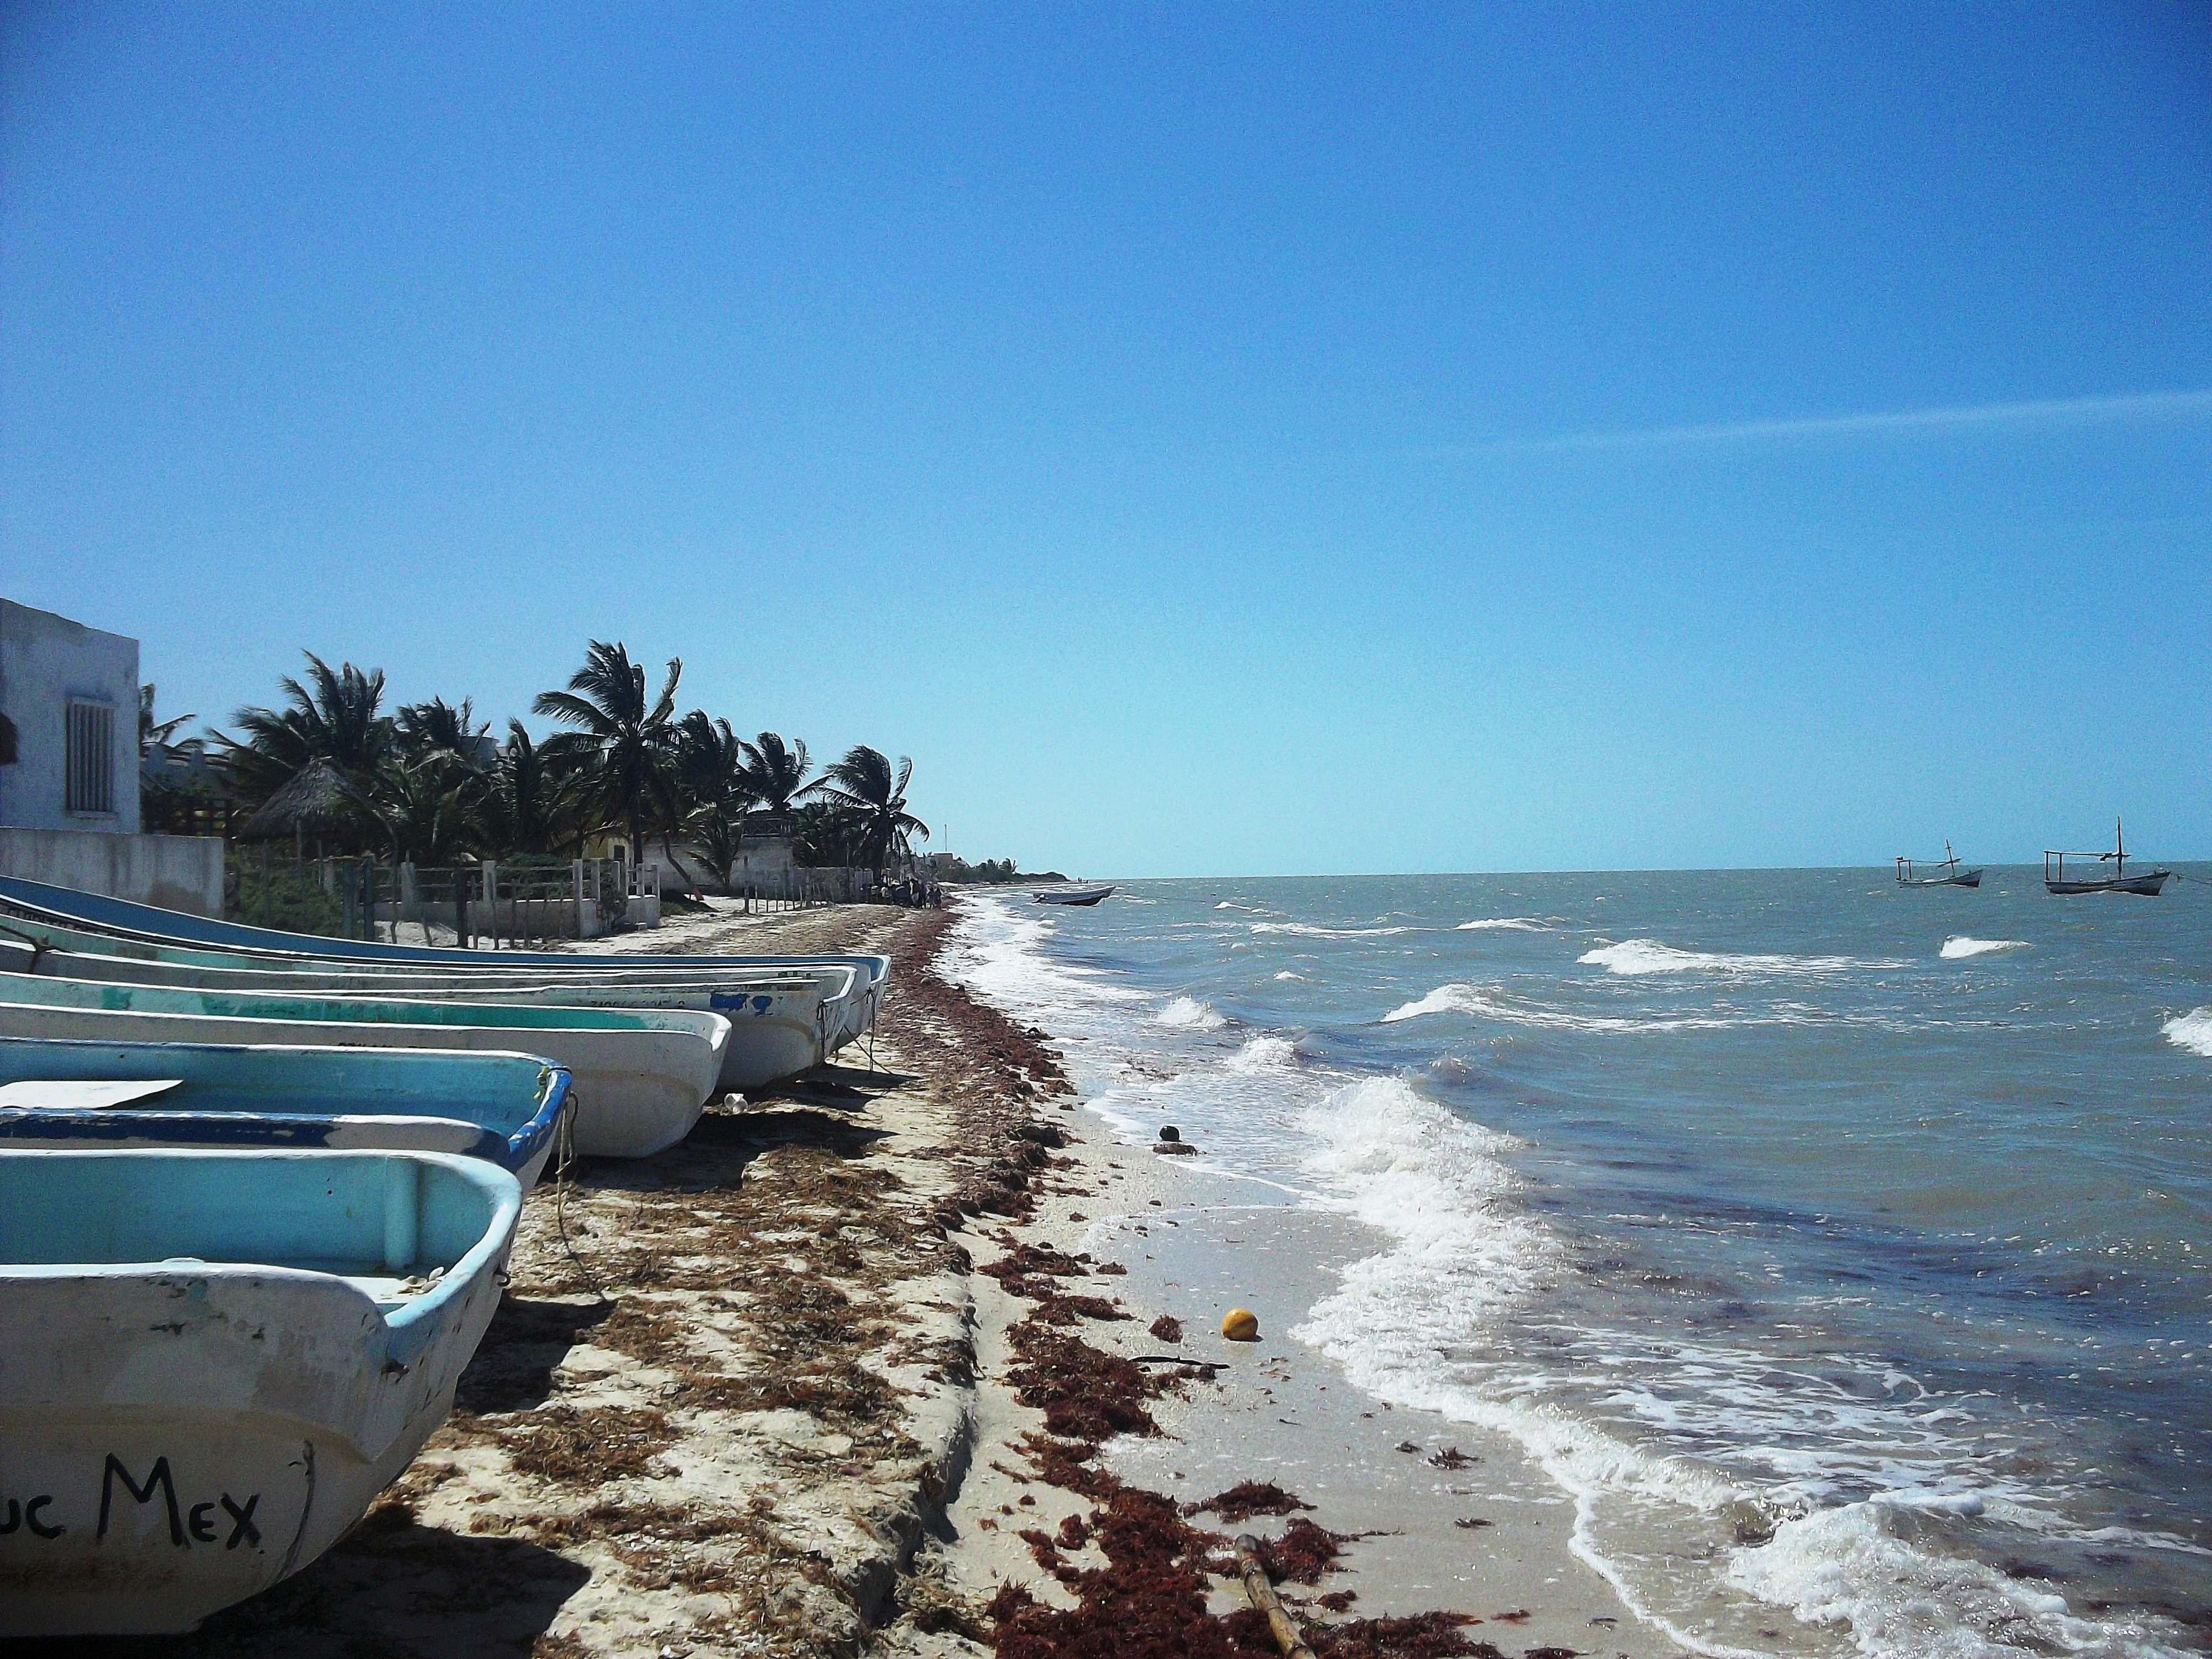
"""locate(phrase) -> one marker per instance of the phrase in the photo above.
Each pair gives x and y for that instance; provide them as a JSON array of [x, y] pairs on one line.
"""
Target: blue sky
[[1231, 441]]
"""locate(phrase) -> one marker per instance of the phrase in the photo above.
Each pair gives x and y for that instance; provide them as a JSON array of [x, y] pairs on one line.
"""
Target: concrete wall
[[179, 872], [44, 661]]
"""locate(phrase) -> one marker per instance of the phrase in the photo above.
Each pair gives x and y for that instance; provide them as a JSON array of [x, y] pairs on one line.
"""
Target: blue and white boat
[[642, 1076], [505, 1107], [215, 1361]]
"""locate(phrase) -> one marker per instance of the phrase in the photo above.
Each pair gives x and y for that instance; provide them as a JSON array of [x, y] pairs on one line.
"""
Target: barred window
[[91, 781]]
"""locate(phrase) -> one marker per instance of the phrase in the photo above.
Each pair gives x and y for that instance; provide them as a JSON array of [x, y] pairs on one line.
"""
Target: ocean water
[[1845, 1252]]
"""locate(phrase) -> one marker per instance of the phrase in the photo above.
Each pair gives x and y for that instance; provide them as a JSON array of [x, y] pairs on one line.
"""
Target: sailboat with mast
[[2147, 881], [1909, 873]]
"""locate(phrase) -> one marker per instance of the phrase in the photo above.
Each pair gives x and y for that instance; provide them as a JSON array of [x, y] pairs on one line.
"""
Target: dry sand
[[763, 1394]]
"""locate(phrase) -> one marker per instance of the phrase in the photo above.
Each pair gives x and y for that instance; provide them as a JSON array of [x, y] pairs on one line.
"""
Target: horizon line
[[2041, 410]]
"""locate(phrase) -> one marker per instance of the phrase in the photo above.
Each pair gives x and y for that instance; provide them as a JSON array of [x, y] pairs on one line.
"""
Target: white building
[[69, 769], [68, 749]]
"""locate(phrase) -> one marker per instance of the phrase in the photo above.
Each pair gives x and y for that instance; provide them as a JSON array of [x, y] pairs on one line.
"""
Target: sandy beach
[[888, 1360]]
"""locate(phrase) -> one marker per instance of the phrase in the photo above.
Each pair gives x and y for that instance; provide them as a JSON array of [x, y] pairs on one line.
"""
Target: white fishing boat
[[642, 1076], [215, 1361], [66, 1093], [1076, 896]]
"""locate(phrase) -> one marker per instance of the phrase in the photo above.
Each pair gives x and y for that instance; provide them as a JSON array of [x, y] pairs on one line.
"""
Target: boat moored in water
[[1078, 896], [2146, 883], [1945, 872], [165, 1458]]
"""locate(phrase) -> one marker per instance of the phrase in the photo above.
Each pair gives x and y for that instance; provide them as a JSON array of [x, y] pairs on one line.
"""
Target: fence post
[[490, 868], [460, 908]]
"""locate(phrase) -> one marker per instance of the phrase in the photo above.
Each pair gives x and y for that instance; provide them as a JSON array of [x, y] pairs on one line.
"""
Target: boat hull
[[1965, 879], [1082, 898], [166, 1458], [505, 1107], [636, 1092], [2147, 886]]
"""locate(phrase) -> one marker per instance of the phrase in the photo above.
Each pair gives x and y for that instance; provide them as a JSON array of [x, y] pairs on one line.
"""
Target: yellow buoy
[[1241, 1325]]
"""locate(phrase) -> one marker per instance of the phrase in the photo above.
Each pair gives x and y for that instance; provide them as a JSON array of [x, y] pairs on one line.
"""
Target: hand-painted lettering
[[158, 1477], [201, 1522], [17, 1514], [242, 1527]]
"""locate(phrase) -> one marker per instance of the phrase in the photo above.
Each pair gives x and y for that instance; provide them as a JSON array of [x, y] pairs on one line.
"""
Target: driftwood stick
[[1262, 1594]]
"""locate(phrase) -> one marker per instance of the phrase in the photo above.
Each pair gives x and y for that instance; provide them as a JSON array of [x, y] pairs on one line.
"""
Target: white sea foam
[[2191, 1030], [1264, 1055], [1194, 1013], [1647, 956], [1489, 1002], [1304, 930], [1287, 974], [1861, 1566], [1959, 946], [1518, 924]]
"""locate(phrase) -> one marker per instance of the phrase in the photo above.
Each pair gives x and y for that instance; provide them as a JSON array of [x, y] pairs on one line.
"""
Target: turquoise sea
[[1844, 1250]]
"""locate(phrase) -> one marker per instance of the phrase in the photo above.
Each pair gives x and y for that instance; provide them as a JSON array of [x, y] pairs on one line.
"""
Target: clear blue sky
[[1209, 440]]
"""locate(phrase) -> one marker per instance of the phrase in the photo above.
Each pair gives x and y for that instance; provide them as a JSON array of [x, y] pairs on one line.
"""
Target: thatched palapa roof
[[318, 801]]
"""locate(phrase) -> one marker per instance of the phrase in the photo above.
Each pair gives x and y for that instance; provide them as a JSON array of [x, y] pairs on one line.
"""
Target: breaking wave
[[2191, 1030], [1488, 1002], [1959, 946], [1264, 1055], [1305, 931], [1194, 1013], [1518, 924], [1647, 956]]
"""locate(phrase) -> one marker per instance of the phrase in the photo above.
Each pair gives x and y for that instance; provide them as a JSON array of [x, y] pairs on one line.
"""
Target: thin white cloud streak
[[2050, 412]]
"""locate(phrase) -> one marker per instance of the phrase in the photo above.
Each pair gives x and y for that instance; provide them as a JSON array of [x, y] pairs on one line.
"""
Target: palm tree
[[431, 807], [629, 744], [865, 784], [531, 803], [154, 736], [776, 775], [423, 728], [338, 720], [712, 761]]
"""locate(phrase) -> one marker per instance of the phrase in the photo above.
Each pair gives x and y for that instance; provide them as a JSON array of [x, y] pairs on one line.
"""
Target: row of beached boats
[[258, 1191]]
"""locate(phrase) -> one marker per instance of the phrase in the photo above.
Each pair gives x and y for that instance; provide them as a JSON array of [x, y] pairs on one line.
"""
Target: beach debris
[[1169, 1132], [1167, 1328], [1241, 1325], [1247, 1499], [1518, 1616], [1472, 1521], [1303, 1553], [1174, 1148], [1408, 1446], [1263, 1594], [1451, 1458]]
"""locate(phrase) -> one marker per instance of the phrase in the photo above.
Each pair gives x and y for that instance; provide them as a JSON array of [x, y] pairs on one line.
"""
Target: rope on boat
[[1262, 1594]]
